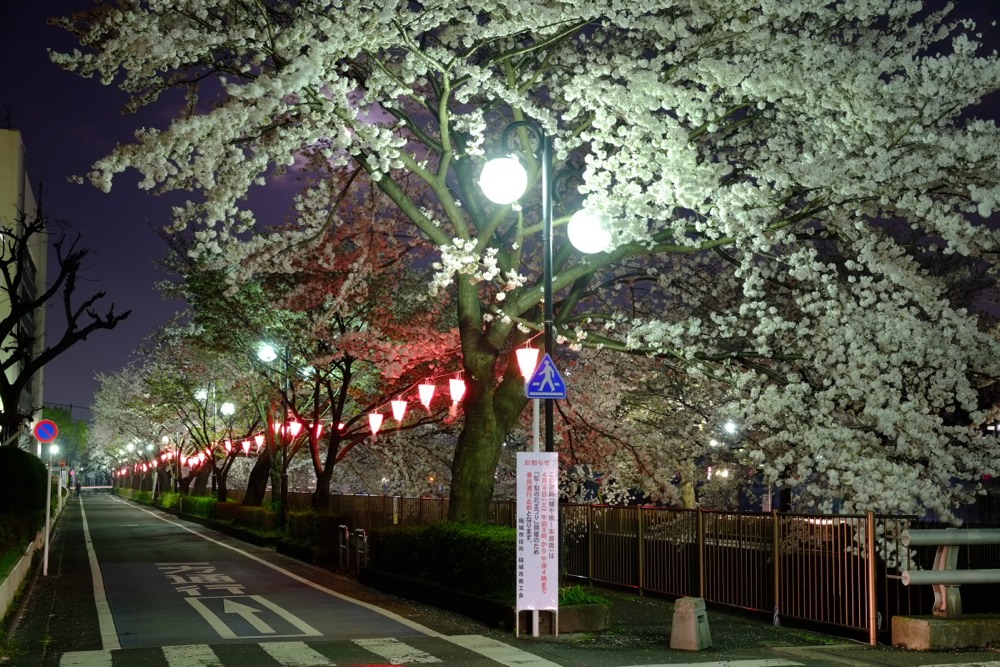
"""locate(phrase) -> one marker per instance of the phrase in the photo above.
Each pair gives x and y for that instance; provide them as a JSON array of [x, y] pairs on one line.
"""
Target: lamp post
[[53, 449], [503, 181], [267, 353]]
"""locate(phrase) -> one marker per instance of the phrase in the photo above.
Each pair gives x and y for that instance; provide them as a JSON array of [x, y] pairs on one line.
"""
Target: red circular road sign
[[46, 430]]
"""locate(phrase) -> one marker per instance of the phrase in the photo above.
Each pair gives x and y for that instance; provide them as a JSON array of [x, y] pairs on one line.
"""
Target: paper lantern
[[246, 447], [228, 444], [457, 387], [527, 361], [375, 421], [398, 409], [259, 439], [318, 429], [294, 427], [426, 392]]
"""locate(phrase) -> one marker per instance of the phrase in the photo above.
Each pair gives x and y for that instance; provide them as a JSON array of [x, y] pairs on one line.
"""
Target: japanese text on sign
[[537, 530]]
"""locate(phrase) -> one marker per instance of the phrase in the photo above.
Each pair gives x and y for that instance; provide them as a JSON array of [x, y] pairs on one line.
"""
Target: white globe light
[[227, 409], [588, 232], [266, 353], [503, 180]]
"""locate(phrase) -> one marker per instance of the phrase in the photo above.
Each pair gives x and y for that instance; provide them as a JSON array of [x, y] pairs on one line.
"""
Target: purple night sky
[[67, 122]]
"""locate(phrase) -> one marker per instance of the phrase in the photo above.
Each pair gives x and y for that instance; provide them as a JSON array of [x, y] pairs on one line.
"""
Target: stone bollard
[[689, 630]]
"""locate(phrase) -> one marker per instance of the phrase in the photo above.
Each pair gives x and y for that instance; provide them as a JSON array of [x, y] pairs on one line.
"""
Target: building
[[18, 204]]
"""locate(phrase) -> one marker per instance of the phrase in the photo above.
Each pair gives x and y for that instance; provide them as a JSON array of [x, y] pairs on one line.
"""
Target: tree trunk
[[201, 481], [257, 484], [321, 496]]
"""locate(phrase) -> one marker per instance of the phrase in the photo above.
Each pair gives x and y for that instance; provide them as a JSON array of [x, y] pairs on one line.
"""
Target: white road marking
[[295, 654], [423, 629], [191, 655], [730, 663], [105, 621], [395, 651], [248, 613], [499, 651], [86, 659]]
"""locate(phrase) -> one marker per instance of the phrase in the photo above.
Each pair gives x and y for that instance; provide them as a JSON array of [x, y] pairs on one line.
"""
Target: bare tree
[[22, 352]]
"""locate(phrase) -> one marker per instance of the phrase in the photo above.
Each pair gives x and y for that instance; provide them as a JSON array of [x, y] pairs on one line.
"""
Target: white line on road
[[730, 663], [395, 651], [86, 659], [499, 651], [295, 654], [105, 621], [192, 655]]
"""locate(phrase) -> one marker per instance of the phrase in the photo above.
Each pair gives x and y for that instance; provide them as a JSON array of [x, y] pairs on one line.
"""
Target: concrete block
[[689, 629], [937, 633]]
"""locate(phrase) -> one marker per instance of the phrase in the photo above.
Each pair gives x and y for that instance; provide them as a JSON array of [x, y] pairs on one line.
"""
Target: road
[[130, 586]]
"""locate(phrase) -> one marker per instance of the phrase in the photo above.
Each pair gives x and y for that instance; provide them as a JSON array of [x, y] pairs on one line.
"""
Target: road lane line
[[86, 659], [191, 655], [499, 651], [105, 621], [766, 662], [395, 651], [295, 654], [413, 625]]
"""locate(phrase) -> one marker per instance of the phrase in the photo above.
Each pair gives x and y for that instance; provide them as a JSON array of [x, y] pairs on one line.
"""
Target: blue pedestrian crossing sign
[[546, 381]]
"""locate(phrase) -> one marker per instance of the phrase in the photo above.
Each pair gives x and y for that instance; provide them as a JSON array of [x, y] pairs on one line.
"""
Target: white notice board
[[537, 530]]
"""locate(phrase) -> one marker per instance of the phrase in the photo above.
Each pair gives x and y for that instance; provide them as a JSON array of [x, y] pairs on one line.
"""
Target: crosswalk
[[465, 650], [447, 651]]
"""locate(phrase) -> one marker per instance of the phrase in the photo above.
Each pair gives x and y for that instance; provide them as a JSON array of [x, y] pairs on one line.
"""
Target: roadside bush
[[169, 500], [203, 506], [22, 483], [144, 497], [473, 558]]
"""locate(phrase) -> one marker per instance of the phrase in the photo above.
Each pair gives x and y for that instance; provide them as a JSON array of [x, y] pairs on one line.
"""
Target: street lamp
[[503, 181], [53, 449], [267, 353]]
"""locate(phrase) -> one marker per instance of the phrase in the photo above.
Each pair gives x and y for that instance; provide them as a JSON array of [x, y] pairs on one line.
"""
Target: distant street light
[[53, 450], [267, 353]]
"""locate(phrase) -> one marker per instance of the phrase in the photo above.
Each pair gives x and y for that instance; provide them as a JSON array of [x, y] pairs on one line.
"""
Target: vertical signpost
[[538, 535], [46, 431]]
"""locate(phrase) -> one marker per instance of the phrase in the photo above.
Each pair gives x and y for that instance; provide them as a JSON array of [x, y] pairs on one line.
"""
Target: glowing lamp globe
[[588, 232], [266, 353], [503, 180]]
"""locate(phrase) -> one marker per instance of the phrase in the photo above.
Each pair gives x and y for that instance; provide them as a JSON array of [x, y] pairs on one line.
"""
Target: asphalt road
[[129, 586]]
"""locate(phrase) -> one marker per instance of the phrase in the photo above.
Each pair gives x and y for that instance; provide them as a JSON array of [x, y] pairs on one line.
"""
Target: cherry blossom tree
[[776, 178]]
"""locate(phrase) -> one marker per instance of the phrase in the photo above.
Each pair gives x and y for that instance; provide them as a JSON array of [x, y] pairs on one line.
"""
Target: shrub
[[473, 558], [22, 482], [203, 506], [144, 497], [571, 595], [169, 500]]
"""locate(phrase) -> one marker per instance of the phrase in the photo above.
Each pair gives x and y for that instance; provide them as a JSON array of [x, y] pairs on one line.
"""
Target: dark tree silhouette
[[22, 353]]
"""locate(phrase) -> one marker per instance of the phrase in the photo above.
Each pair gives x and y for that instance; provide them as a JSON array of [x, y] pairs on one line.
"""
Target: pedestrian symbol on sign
[[546, 381]]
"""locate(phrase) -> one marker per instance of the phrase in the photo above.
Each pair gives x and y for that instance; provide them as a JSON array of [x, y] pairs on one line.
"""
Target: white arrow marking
[[247, 612]]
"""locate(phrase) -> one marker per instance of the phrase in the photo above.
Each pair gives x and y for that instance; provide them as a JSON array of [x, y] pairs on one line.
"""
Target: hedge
[[473, 558]]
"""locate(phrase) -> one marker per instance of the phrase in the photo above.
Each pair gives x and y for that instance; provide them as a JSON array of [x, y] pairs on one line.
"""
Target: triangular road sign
[[546, 381]]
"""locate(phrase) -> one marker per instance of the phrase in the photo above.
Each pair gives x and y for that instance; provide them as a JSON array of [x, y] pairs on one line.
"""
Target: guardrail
[[944, 577]]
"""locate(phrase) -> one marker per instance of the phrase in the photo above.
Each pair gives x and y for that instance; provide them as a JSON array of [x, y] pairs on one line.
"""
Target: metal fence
[[841, 571]]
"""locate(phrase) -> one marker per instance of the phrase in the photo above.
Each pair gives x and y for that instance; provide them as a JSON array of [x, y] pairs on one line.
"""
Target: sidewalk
[[643, 622]]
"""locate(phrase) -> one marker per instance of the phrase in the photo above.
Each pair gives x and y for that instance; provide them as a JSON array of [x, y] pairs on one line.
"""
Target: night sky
[[67, 123]]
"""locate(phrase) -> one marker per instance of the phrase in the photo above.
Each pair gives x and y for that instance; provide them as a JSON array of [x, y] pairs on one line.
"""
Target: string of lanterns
[[527, 361]]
